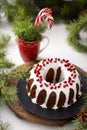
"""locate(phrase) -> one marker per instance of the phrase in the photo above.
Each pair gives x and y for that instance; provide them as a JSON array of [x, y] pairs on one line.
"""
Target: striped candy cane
[[45, 15]]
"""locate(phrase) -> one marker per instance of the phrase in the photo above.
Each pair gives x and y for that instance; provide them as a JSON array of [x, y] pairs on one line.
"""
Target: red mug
[[29, 50]]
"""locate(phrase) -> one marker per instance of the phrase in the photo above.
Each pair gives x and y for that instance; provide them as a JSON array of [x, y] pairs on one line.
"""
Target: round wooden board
[[20, 112]]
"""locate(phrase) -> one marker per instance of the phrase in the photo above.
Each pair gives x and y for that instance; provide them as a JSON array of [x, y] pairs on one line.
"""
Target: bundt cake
[[54, 83]]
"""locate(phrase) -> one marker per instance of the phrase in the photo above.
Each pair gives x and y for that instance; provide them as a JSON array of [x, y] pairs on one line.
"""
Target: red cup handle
[[45, 45]]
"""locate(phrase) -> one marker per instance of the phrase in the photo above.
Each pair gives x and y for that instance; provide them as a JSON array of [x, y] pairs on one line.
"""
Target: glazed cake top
[[68, 73]]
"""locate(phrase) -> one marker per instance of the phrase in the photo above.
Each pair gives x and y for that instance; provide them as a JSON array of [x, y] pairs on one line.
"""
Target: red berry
[[72, 74], [71, 84], [55, 61], [47, 62], [65, 82], [58, 59], [59, 86], [64, 60], [73, 81], [55, 87], [55, 58], [41, 85], [51, 88], [67, 61], [37, 79], [64, 86]]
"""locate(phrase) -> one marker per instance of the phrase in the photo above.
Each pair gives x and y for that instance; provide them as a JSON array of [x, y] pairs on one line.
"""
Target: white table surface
[[58, 47]]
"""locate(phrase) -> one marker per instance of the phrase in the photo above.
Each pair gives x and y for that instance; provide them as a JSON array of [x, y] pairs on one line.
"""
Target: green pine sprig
[[24, 27], [3, 40], [4, 126], [7, 93], [78, 125], [5, 64], [67, 9], [21, 72], [85, 101], [74, 33]]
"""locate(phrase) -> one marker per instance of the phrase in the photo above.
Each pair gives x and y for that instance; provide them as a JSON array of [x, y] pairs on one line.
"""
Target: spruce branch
[[7, 93], [5, 64], [80, 122], [3, 41], [21, 72], [4, 126], [65, 9], [74, 33], [78, 125], [2, 55], [85, 101]]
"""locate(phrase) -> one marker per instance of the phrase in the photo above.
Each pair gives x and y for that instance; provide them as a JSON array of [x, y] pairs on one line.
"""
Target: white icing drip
[[64, 76], [66, 92], [26, 86]]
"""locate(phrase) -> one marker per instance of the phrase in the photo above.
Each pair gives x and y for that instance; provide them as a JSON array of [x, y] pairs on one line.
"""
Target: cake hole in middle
[[54, 76]]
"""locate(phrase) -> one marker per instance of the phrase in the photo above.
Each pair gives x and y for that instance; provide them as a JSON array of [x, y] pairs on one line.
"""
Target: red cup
[[29, 50]]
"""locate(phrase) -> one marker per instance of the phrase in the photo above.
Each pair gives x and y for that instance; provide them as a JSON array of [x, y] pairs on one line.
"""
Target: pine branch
[[70, 9], [4, 126], [7, 93], [67, 9], [3, 41], [74, 30], [20, 72], [78, 125], [2, 55], [79, 122], [85, 101], [5, 64]]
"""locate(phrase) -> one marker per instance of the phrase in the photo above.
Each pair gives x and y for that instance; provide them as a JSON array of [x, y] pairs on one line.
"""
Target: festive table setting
[[23, 63]]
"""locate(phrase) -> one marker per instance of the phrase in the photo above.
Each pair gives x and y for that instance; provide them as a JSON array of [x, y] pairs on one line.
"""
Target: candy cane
[[45, 15]]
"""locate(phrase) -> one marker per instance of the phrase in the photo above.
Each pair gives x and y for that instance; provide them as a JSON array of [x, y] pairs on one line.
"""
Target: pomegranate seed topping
[[71, 84], [47, 62], [51, 88], [59, 86], [41, 85], [65, 82]]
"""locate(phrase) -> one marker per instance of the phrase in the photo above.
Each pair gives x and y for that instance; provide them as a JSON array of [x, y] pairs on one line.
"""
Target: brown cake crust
[[51, 100], [58, 73], [29, 83], [62, 99], [71, 96], [41, 97], [33, 92], [50, 75], [77, 93]]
